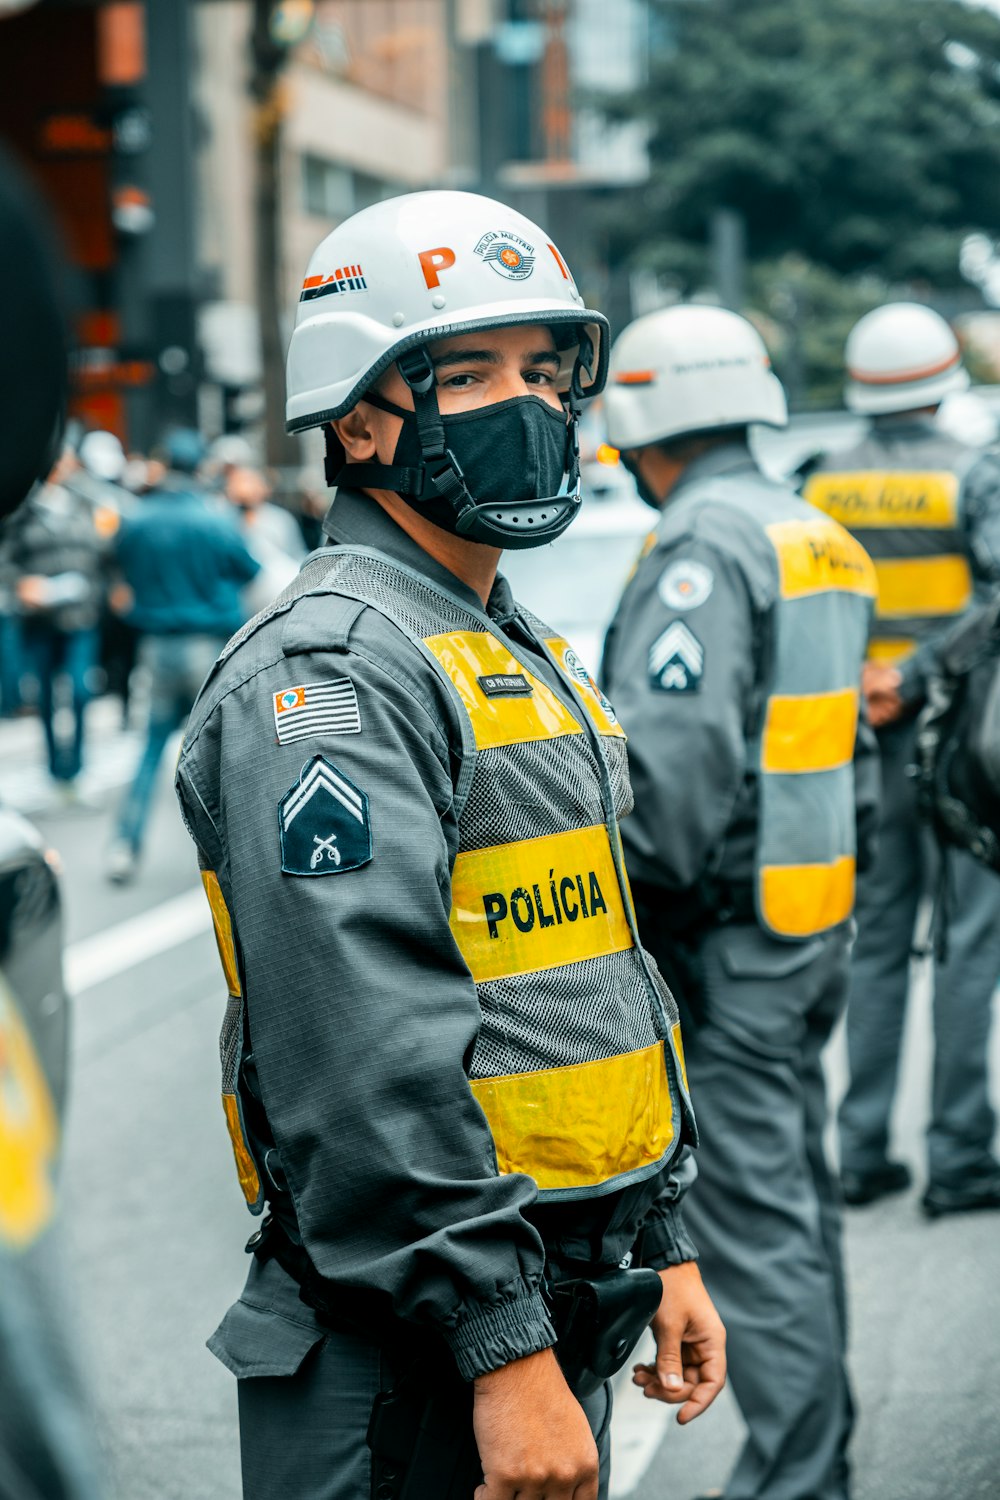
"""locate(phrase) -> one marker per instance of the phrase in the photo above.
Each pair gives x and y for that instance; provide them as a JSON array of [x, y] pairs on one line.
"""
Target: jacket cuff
[[495, 1336], [665, 1240]]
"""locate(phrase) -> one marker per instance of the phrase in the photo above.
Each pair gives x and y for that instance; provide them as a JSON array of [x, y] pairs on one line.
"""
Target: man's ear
[[355, 436]]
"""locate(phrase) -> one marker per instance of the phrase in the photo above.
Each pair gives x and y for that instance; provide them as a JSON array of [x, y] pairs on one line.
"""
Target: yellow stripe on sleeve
[[810, 731], [800, 900]]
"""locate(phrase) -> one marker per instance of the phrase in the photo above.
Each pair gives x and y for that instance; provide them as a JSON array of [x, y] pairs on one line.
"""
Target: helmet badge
[[510, 257]]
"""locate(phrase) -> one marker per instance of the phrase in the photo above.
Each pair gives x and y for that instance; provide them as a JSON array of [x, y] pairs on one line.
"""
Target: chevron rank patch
[[316, 708], [676, 660], [324, 823]]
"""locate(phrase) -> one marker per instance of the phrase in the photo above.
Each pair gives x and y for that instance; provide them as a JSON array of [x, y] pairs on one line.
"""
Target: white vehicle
[[575, 583]]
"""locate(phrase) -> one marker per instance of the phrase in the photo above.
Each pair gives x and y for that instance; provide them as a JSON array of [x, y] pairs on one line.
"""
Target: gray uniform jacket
[[706, 589], [361, 1015], [901, 454]]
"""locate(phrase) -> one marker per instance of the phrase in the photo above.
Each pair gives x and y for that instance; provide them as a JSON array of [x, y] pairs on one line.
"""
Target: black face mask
[[506, 475], [516, 450]]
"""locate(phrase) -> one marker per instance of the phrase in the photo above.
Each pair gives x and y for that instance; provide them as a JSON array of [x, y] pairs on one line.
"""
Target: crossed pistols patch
[[324, 823]]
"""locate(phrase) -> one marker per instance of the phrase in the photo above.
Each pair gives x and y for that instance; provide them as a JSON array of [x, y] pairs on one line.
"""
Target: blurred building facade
[[143, 121]]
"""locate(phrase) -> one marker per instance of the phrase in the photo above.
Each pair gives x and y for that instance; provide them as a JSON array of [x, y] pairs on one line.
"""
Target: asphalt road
[[155, 1224]]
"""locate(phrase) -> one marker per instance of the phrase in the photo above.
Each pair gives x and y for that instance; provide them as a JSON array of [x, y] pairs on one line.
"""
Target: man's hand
[[880, 684], [690, 1363], [534, 1441]]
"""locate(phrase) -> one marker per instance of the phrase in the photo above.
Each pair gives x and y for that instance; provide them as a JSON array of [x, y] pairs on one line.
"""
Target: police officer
[[734, 660], [927, 509], [449, 1068]]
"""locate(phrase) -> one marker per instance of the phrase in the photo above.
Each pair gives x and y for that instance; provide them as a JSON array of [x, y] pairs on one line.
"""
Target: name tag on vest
[[506, 685]]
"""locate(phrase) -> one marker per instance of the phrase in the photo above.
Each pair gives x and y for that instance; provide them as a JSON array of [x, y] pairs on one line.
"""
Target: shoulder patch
[[316, 708], [324, 822], [676, 660], [685, 584]]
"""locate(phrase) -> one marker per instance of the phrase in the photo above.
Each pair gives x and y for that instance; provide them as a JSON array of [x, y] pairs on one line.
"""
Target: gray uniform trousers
[[764, 1211], [962, 1121], [306, 1396]]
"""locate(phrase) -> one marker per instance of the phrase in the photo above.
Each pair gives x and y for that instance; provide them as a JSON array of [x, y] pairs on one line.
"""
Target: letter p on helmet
[[433, 261]]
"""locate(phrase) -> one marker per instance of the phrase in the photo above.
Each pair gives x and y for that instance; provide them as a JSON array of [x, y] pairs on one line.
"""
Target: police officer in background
[[734, 660], [927, 509], [449, 1068]]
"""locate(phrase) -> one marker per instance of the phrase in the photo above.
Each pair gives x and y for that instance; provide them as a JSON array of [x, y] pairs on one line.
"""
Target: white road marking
[[93, 960], [638, 1426]]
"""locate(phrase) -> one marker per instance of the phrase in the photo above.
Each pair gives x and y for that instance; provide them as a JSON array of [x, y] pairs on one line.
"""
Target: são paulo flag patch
[[316, 708]]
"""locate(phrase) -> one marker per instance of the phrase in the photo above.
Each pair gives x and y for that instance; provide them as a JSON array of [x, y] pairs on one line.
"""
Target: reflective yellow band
[[222, 923], [29, 1132], [799, 900], [871, 498], [579, 1126], [528, 712], [815, 556], [923, 586], [245, 1169], [538, 904], [895, 649], [810, 731], [594, 701], [675, 1032]]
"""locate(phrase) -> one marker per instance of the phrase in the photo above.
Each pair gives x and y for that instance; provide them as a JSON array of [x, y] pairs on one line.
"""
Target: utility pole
[[269, 54]]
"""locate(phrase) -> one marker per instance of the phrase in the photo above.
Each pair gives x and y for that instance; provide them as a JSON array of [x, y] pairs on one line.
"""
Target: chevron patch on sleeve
[[323, 822], [676, 660]]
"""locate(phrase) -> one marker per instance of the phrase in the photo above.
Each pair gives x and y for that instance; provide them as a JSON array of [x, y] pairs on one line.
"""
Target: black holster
[[598, 1323]]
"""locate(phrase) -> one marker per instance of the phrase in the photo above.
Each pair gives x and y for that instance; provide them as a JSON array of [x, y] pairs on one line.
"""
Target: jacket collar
[[728, 459], [356, 519]]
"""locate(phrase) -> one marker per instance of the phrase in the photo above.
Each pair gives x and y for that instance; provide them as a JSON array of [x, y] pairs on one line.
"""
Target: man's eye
[[539, 377], [458, 382]]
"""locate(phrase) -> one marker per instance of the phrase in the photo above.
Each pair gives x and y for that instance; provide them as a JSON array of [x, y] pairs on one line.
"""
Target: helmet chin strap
[[514, 525]]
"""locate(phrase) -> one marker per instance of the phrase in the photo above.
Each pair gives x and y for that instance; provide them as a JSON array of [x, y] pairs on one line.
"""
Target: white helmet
[[899, 358], [689, 369], [102, 455], [424, 267]]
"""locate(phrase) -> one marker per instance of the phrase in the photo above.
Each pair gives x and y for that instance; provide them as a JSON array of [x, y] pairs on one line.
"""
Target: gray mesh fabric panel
[[231, 1043], [419, 609], [530, 790], [616, 756], [593, 1009]]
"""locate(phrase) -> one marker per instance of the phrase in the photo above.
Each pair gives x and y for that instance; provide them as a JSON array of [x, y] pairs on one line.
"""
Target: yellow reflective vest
[[903, 503], [578, 1063]]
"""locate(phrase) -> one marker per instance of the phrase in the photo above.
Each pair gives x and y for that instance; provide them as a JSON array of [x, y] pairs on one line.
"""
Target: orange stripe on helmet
[[903, 377]]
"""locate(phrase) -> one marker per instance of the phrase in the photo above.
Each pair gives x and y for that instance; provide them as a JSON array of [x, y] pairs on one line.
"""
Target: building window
[[333, 191], [328, 188]]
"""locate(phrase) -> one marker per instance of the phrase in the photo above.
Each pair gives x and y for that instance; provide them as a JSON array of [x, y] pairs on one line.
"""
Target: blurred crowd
[[124, 574]]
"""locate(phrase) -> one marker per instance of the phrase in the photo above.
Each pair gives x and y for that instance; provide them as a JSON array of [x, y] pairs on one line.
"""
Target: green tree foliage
[[861, 134]]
